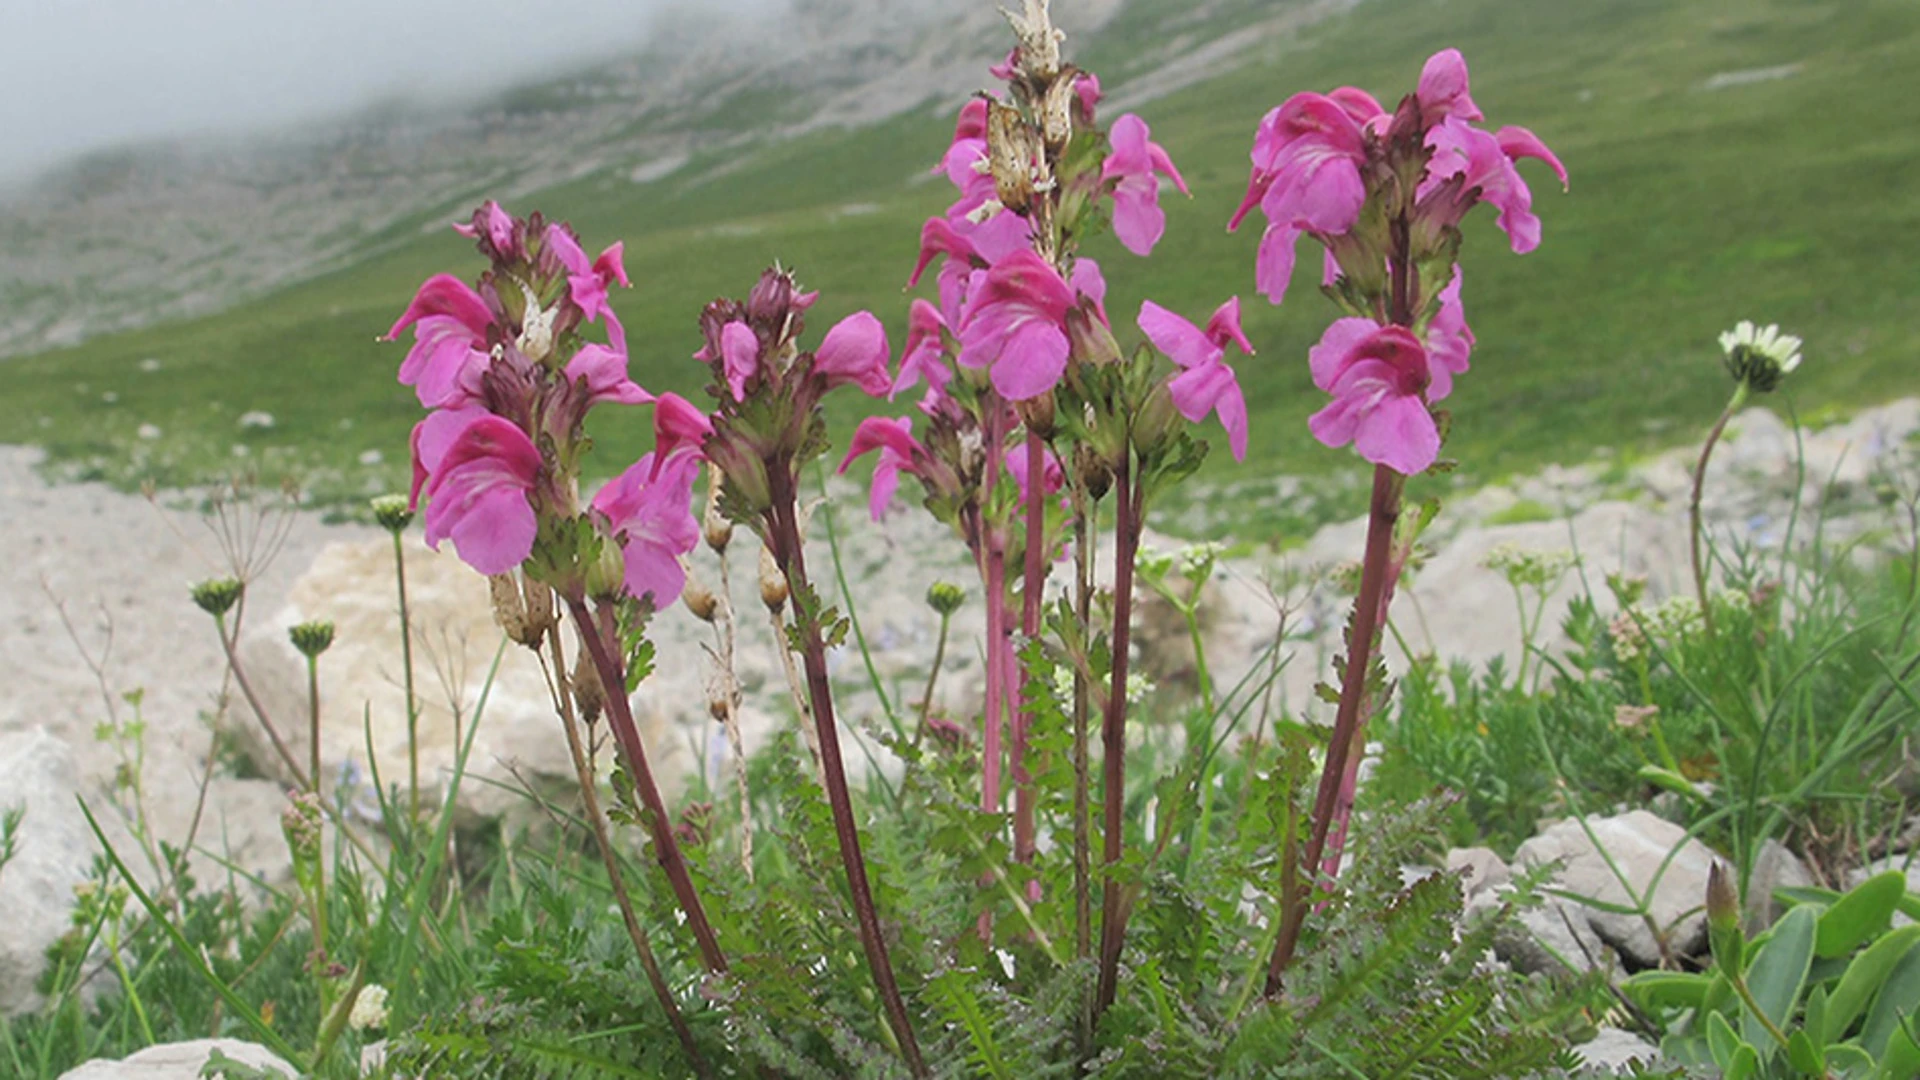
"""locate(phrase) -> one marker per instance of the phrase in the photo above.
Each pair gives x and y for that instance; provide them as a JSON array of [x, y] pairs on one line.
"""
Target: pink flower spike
[[1014, 326], [477, 490], [898, 451], [740, 351], [605, 373], [1449, 341], [1378, 402], [1206, 383], [856, 351], [1443, 88], [679, 428], [1518, 142], [925, 354], [649, 511], [1138, 221]]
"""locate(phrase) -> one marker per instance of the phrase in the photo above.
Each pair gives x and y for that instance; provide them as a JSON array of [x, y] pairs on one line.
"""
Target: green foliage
[[1829, 989]]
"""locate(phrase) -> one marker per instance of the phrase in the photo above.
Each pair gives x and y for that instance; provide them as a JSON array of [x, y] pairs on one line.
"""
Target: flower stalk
[[1113, 734], [783, 538], [659, 825], [1696, 540]]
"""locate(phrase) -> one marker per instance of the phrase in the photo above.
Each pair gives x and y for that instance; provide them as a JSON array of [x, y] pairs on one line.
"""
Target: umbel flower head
[[1759, 356]]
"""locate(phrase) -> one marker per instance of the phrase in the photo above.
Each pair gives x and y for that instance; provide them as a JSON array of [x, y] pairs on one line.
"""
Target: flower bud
[[216, 596], [714, 526], [391, 512], [509, 607], [1723, 921], [1011, 152], [311, 638], [945, 597], [607, 575], [589, 694], [717, 704], [773, 583], [1092, 471], [1090, 340], [1037, 413], [699, 600]]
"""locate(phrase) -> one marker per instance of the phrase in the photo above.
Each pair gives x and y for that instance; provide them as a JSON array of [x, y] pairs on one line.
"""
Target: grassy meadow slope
[[1694, 204]]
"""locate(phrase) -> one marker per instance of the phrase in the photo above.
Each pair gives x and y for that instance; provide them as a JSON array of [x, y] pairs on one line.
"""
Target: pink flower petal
[[1443, 88], [740, 351], [605, 373], [856, 351], [1518, 142]]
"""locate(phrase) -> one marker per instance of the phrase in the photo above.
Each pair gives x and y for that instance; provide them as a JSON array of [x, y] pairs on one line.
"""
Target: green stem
[[933, 676], [406, 671], [1693, 506], [132, 991]]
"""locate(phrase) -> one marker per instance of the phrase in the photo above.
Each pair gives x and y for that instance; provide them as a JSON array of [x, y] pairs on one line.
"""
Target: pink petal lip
[[444, 294], [480, 470], [855, 351], [740, 352]]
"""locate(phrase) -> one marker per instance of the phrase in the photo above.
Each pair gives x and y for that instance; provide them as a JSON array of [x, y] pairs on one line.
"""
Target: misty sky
[[82, 74]]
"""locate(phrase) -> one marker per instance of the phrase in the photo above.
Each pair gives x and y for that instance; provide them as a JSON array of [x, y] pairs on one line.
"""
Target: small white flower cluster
[[1523, 568], [1197, 560], [369, 1009]]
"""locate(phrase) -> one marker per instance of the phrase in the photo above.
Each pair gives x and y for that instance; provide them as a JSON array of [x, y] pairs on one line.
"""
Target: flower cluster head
[[1759, 357], [1384, 194], [508, 374]]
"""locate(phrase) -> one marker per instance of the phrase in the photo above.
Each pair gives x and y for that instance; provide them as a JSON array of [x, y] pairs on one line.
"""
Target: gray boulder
[[1661, 864], [180, 1061], [55, 848]]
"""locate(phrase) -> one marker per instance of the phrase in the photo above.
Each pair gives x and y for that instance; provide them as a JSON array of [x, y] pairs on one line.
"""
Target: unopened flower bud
[[699, 600], [1092, 471], [717, 704], [1723, 921], [300, 824], [607, 575], [589, 694], [714, 526], [217, 596], [1091, 341], [773, 583], [510, 608], [945, 597], [1011, 152], [391, 512], [1037, 413], [311, 638], [1056, 111]]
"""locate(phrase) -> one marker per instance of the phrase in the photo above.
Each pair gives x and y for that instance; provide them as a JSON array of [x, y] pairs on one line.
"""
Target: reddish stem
[[659, 826], [784, 536], [1113, 736], [1036, 569]]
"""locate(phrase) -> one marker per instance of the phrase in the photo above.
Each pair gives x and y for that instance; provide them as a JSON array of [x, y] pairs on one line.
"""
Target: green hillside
[[1787, 199]]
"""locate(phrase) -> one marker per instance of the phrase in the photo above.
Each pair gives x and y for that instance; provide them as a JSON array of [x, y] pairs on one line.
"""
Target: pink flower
[[1053, 477], [649, 511], [1206, 383], [1087, 89], [588, 282], [497, 224], [477, 470], [1307, 156], [740, 351], [1443, 88], [898, 451], [1014, 325], [1138, 221], [1449, 341], [855, 351], [1485, 163], [926, 354], [604, 371], [1378, 376], [678, 428], [449, 353]]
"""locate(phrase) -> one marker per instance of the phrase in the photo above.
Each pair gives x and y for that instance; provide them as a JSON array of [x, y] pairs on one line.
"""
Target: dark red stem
[[1113, 736], [659, 826], [1036, 570], [784, 535]]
